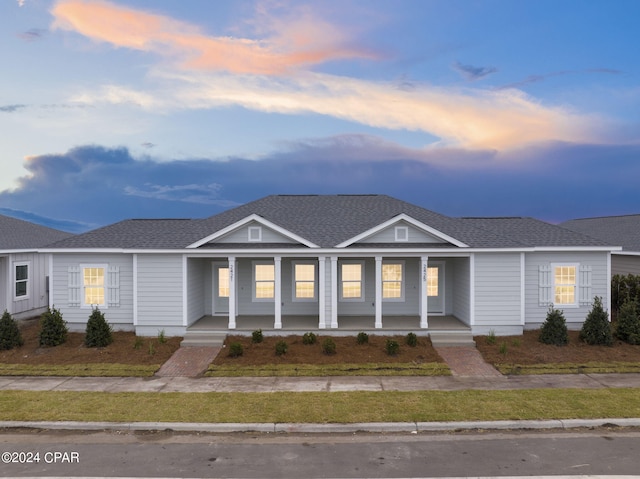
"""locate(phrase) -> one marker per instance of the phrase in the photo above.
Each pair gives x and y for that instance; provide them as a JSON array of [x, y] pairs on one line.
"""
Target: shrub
[[98, 333], [281, 348], [596, 328], [235, 350], [309, 338], [628, 329], [329, 346], [392, 347], [257, 336], [137, 344], [503, 349], [162, 338], [412, 340], [554, 328], [10, 336], [362, 338], [53, 328], [491, 338], [624, 288]]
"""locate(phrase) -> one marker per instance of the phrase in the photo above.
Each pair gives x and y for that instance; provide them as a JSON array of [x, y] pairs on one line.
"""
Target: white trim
[[185, 296], [423, 298], [576, 285], [609, 283], [277, 291], [135, 289], [50, 299], [254, 263], [334, 291], [405, 233], [322, 285], [14, 280], [251, 236], [472, 290], [523, 291], [216, 265], [378, 297], [245, 221], [442, 285], [316, 289], [361, 298], [402, 264], [397, 219], [105, 268], [232, 292]]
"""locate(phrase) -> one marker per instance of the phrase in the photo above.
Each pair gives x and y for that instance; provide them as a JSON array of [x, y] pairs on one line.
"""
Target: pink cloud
[[299, 42]]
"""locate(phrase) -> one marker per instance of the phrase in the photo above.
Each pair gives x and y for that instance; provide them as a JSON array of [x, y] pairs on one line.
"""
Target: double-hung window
[[21, 289], [264, 285], [304, 281], [392, 281], [565, 284], [352, 281], [93, 286]]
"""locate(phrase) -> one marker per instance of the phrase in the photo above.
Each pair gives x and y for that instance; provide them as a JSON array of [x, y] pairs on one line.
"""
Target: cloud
[[539, 78], [95, 185], [32, 35], [297, 41], [11, 108], [472, 73], [21, 3]]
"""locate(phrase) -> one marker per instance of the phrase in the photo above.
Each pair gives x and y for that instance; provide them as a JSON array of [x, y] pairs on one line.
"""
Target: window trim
[[27, 281], [404, 237], [253, 282], [576, 285], [402, 281], [105, 269], [294, 281], [250, 234], [361, 298]]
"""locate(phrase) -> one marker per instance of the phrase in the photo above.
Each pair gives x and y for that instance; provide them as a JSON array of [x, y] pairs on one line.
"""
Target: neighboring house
[[23, 271], [620, 230], [339, 264]]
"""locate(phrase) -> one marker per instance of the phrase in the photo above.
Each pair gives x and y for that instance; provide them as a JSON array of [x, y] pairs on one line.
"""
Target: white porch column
[[277, 294], [378, 323], [232, 292], [322, 292], [424, 306], [334, 292]]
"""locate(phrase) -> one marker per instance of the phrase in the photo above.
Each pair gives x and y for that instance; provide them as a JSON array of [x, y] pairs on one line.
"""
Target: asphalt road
[[166, 454]]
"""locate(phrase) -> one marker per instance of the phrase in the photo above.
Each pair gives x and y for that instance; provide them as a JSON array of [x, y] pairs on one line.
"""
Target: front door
[[220, 288], [435, 288]]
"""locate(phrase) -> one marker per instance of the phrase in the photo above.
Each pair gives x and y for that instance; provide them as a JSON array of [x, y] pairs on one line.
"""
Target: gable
[[253, 232]]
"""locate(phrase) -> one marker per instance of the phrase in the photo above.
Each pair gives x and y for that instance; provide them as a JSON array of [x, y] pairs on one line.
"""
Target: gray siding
[[412, 288], [37, 299], [120, 317], [159, 291], [289, 305], [197, 273], [536, 313], [388, 235], [625, 264], [4, 288], [246, 304], [364, 306], [460, 284], [497, 291], [241, 235]]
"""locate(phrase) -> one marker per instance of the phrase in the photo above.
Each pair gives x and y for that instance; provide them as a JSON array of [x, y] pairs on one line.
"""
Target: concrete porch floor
[[347, 325]]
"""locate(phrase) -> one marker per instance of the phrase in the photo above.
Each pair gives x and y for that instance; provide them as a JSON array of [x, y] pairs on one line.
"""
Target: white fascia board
[[577, 248], [411, 221], [627, 253], [249, 219]]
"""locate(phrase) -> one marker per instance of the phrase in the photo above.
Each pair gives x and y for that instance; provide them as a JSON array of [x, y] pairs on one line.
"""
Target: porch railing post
[[278, 292], [334, 291], [424, 306], [232, 292], [322, 291], [378, 300]]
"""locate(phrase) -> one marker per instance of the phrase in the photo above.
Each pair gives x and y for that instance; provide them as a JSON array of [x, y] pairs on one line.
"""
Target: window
[[304, 278], [93, 286], [432, 281], [22, 280], [564, 284], [392, 281], [264, 281], [255, 233], [223, 282], [351, 280], [402, 233]]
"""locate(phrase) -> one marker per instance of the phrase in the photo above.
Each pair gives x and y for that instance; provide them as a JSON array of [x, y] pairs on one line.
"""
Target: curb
[[373, 427]]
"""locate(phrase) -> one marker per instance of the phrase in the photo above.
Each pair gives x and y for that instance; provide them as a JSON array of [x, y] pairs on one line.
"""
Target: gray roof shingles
[[327, 220], [618, 230], [16, 234]]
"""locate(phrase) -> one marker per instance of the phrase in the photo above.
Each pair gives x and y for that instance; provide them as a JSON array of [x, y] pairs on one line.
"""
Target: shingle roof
[[18, 234], [328, 220], [618, 230]]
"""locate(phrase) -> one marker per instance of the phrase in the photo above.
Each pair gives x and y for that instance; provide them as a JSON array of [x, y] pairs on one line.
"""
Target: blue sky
[[138, 108]]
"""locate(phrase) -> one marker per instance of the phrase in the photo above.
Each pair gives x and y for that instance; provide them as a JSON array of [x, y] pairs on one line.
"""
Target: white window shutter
[[74, 286], [544, 285], [113, 286], [584, 286]]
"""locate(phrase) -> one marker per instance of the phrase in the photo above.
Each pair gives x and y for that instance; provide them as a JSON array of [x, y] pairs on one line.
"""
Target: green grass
[[97, 370], [569, 368], [383, 369], [319, 407]]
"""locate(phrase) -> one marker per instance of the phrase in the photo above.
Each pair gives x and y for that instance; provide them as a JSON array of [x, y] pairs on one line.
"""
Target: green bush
[[53, 328], [491, 338], [596, 328], [362, 338], [235, 350], [628, 329], [257, 336], [309, 338], [624, 288], [137, 344], [412, 340], [554, 328], [392, 347], [281, 348], [98, 333], [162, 337], [10, 336], [329, 346]]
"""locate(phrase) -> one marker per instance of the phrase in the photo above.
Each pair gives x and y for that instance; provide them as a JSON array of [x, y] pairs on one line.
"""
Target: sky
[[163, 109]]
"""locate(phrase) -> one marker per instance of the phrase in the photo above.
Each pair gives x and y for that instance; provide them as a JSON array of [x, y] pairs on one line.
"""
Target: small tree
[[628, 329], [329, 346], [10, 336], [98, 332], [596, 328], [554, 328], [54, 328], [392, 347]]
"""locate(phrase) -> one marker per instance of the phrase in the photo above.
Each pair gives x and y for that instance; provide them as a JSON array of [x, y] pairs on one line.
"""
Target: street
[[601, 451]]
